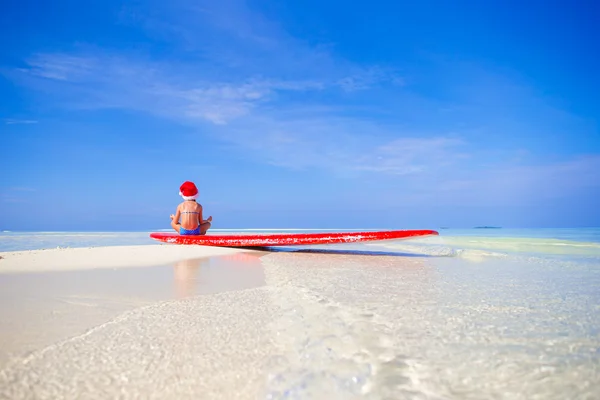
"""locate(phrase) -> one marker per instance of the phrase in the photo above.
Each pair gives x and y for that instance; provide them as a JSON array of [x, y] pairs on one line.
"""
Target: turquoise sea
[[565, 241], [470, 314]]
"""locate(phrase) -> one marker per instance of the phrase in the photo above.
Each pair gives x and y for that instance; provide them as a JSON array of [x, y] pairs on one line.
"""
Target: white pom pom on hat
[[188, 191]]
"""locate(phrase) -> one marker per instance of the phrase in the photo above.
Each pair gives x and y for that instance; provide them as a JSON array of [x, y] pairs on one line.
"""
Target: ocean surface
[[469, 314]]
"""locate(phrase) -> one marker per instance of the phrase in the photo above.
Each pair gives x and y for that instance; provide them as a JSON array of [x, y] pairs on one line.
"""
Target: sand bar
[[104, 257]]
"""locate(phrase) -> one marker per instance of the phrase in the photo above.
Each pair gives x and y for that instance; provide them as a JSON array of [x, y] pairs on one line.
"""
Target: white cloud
[[368, 78], [11, 121], [410, 155], [62, 67], [247, 114], [105, 81], [508, 183]]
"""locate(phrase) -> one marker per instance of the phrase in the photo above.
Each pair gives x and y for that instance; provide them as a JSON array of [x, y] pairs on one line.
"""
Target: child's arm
[[200, 220], [200, 214], [177, 215]]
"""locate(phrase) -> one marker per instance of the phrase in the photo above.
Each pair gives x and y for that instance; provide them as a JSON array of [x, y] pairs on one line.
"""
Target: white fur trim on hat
[[194, 197]]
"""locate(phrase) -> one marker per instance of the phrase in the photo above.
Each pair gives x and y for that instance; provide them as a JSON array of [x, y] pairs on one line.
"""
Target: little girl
[[190, 213]]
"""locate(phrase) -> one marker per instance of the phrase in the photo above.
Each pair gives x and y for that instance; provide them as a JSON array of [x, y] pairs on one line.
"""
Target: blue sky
[[376, 114]]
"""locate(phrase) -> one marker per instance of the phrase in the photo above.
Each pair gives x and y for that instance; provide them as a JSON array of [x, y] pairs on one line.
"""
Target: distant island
[[488, 227]]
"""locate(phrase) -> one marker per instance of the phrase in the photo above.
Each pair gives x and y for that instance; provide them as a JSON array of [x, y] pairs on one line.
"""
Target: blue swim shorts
[[183, 231]]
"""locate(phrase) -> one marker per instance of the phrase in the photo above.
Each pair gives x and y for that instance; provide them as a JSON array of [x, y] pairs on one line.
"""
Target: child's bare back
[[190, 213]]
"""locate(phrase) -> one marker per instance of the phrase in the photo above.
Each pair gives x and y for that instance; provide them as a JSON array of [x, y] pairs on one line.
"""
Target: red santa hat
[[188, 191]]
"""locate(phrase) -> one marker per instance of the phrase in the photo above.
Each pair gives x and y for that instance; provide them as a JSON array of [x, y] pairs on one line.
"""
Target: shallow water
[[14, 241], [38, 309], [385, 327], [470, 314]]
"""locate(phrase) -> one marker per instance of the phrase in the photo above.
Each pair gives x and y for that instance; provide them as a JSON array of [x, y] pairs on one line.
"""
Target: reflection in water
[[248, 259], [336, 251], [213, 274], [185, 274]]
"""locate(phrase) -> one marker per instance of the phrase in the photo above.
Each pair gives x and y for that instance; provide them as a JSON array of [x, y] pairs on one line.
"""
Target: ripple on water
[[389, 328], [331, 351]]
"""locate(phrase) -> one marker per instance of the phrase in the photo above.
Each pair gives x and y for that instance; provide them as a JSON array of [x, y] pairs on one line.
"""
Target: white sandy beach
[[188, 322], [63, 259]]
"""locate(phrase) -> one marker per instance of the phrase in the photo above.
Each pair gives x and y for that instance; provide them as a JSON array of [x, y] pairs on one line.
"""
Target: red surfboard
[[286, 239]]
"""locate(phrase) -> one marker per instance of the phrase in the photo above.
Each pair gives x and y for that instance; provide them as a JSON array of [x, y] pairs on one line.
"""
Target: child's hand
[[172, 216]]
